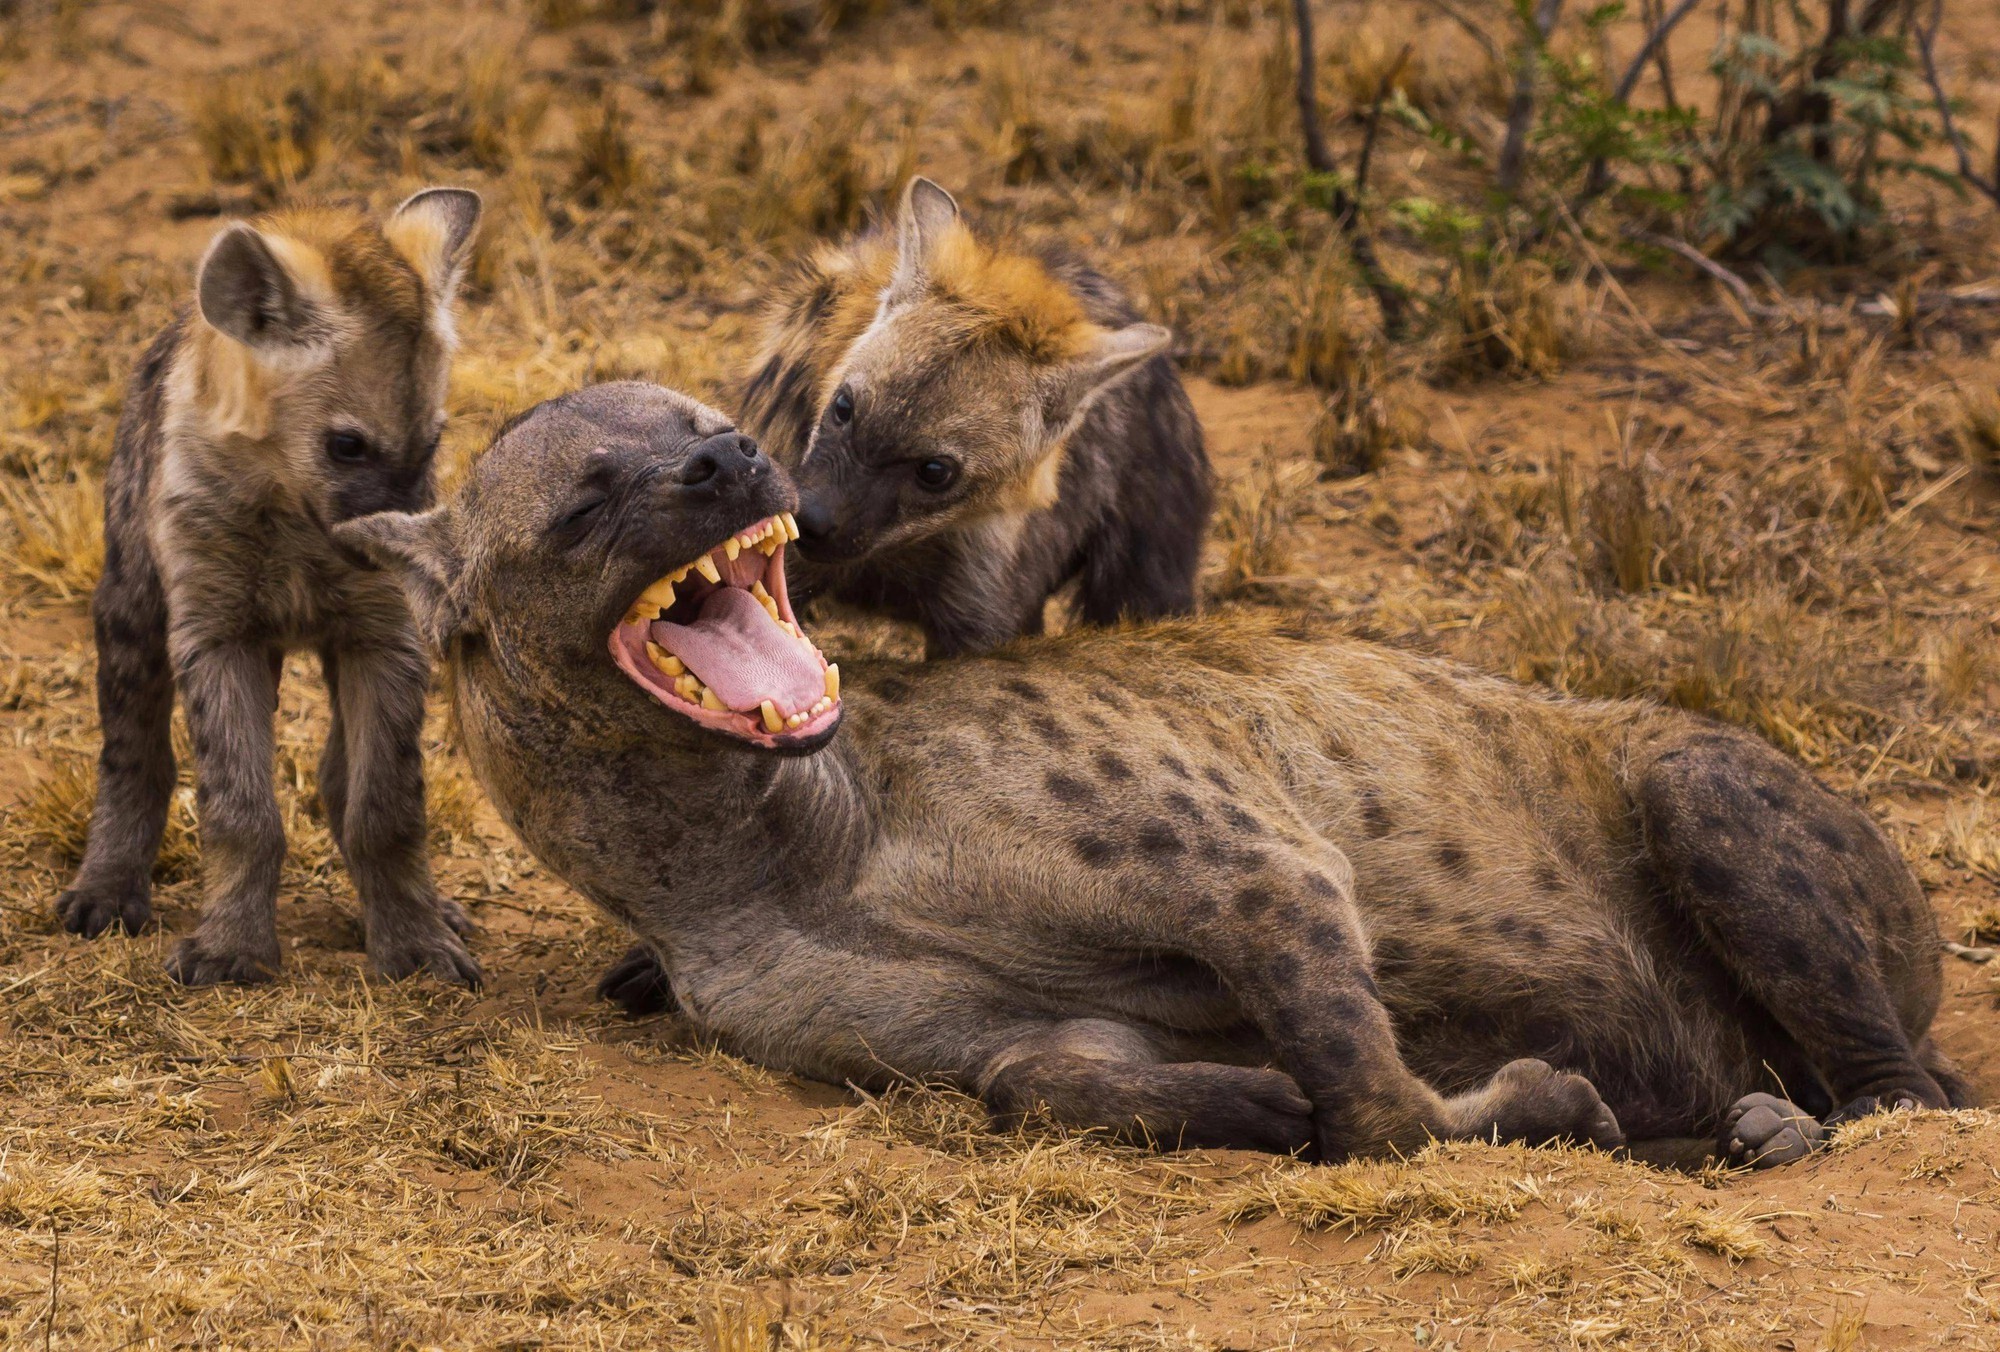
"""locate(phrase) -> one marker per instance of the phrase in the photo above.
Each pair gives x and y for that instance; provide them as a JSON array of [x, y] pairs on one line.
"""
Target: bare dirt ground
[[1783, 519]]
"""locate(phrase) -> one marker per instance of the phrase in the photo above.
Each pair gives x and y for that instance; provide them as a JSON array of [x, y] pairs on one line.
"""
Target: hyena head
[[955, 401], [619, 556], [317, 370]]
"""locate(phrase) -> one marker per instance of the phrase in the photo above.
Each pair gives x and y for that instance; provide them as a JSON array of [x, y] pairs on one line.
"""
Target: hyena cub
[[306, 388], [971, 428]]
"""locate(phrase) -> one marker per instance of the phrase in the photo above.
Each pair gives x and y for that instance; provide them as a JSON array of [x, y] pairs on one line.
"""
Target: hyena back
[[306, 387], [972, 428]]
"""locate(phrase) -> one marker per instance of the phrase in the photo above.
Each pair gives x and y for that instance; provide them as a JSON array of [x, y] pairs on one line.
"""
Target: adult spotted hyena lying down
[[1215, 883]]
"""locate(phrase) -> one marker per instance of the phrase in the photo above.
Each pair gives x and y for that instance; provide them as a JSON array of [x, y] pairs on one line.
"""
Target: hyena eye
[[841, 410], [938, 474], [349, 448]]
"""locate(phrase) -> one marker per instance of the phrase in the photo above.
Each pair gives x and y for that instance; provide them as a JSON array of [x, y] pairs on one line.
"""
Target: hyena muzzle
[[305, 388]]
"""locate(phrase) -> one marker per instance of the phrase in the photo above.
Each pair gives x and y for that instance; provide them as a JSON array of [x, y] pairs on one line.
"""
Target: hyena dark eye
[[349, 448], [938, 474], [581, 513], [841, 410]]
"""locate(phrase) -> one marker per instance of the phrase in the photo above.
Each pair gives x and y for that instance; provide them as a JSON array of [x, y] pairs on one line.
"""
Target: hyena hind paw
[[454, 915], [90, 911], [1763, 1131], [1532, 1102], [193, 963], [637, 984], [441, 953]]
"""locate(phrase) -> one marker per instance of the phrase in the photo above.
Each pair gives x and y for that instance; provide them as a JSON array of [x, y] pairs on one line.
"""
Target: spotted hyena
[[1242, 882], [973, 427], [304, 388]]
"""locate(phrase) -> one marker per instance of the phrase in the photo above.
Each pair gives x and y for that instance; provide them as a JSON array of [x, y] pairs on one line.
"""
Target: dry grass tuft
[[55, 817], [605, 166], [1510, 315], [53, 536], [1258, 521], [1729, 1234], [1377, 1195]]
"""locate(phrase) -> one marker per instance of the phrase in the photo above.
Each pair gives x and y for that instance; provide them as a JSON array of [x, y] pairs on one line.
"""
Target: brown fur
[[306, 388], [1233, 882], [1075, 450]]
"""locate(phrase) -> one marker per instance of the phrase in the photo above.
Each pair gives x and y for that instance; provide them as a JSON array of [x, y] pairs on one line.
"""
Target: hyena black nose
[[721, 459], [815, 518]]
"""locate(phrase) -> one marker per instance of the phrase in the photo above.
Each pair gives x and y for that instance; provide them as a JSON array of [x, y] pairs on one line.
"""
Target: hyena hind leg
[[135, 768], [1092, 1073], [1806, 905], [637, 983]]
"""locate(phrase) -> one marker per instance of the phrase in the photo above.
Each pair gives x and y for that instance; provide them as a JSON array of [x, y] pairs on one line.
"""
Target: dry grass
[[52, 534], [1258, 520]]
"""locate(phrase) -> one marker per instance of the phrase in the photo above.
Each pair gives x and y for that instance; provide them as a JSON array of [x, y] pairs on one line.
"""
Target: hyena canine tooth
[[1234, 882], [972, 428], [306, 387]]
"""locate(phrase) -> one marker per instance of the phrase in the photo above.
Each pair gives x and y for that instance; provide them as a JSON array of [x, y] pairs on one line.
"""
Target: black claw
[[637, 984]]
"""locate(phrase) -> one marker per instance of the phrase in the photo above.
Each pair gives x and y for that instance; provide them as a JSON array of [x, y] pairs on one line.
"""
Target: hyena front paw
[[1763, 1131], [90, 911], [454, 915], [1533, 1102], [1250, 1108], [637, 983], [196, 961], [435, 949]]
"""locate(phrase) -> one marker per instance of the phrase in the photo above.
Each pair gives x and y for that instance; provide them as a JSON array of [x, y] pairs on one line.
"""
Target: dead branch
[[1737, 286], [1927, 49], [1521, 108], [1479, 35], [1345, 207], [1388, 83], [1661, 31]]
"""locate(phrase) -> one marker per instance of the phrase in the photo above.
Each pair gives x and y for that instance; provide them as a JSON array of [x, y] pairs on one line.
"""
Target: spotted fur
[[1239, 881], [305, 388]]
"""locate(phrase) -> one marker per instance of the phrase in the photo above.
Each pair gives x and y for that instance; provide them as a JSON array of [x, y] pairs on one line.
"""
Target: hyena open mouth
[[716, 640]]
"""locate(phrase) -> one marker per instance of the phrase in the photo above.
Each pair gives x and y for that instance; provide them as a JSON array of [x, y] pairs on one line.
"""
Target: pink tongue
[[741, 654]]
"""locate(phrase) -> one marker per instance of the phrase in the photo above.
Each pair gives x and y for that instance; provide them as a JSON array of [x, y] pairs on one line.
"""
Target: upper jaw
[[751, 560]]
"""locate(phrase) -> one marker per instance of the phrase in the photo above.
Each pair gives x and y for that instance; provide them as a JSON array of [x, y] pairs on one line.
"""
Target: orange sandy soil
[[334, 1163]]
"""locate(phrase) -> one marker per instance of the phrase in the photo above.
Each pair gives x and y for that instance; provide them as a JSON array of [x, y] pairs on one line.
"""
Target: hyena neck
[[672, 829]]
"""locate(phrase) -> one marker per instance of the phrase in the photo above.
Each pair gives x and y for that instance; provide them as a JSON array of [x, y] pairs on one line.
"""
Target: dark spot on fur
[[1070, 790], [1253, 901], [1027, 690], [1185, 806], [1711, 877], [1324, 934], [1111, 767], [1506, 925], [1289, 914], [1049, 730], [1284, 968], [1798, 884], [1792, 956], [1156, 837], [891, 690], [1242, 820], [1219, 779], [1321, 885], [1335, 748], [1337, 1048], [1831, 836], [1536, 936], [1095, 850], [1175, 766], [1453, 860], [1420, 907], [1375, 817], [1772, 798], [1547, 878]]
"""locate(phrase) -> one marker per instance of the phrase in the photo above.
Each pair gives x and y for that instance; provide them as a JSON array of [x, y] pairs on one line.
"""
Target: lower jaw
[[628, 650]]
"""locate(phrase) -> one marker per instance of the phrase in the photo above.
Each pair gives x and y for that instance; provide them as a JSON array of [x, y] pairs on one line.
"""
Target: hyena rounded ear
[[1106, 356], [434, 230], [421, 550], [928, 214], [246, 291]]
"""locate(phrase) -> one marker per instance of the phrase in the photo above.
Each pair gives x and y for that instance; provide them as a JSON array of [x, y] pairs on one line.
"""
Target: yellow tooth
[[660, 596], [706, 567], [677, 576], [731, 548], [769, 544], [711, 700], [772, 723], [664, 660], [833, 680]]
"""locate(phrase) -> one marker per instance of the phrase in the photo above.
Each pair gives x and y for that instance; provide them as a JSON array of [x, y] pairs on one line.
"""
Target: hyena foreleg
[[377, 810], [135, 769], [230, 693]]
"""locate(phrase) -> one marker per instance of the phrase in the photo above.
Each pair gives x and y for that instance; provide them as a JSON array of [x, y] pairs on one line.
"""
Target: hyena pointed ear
[[434, 230], [247, 291], [1108, 355], [421, 550], [927, 216]]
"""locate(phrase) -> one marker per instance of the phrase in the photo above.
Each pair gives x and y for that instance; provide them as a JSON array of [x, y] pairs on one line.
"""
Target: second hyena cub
[[972, 428], [306, 388]]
